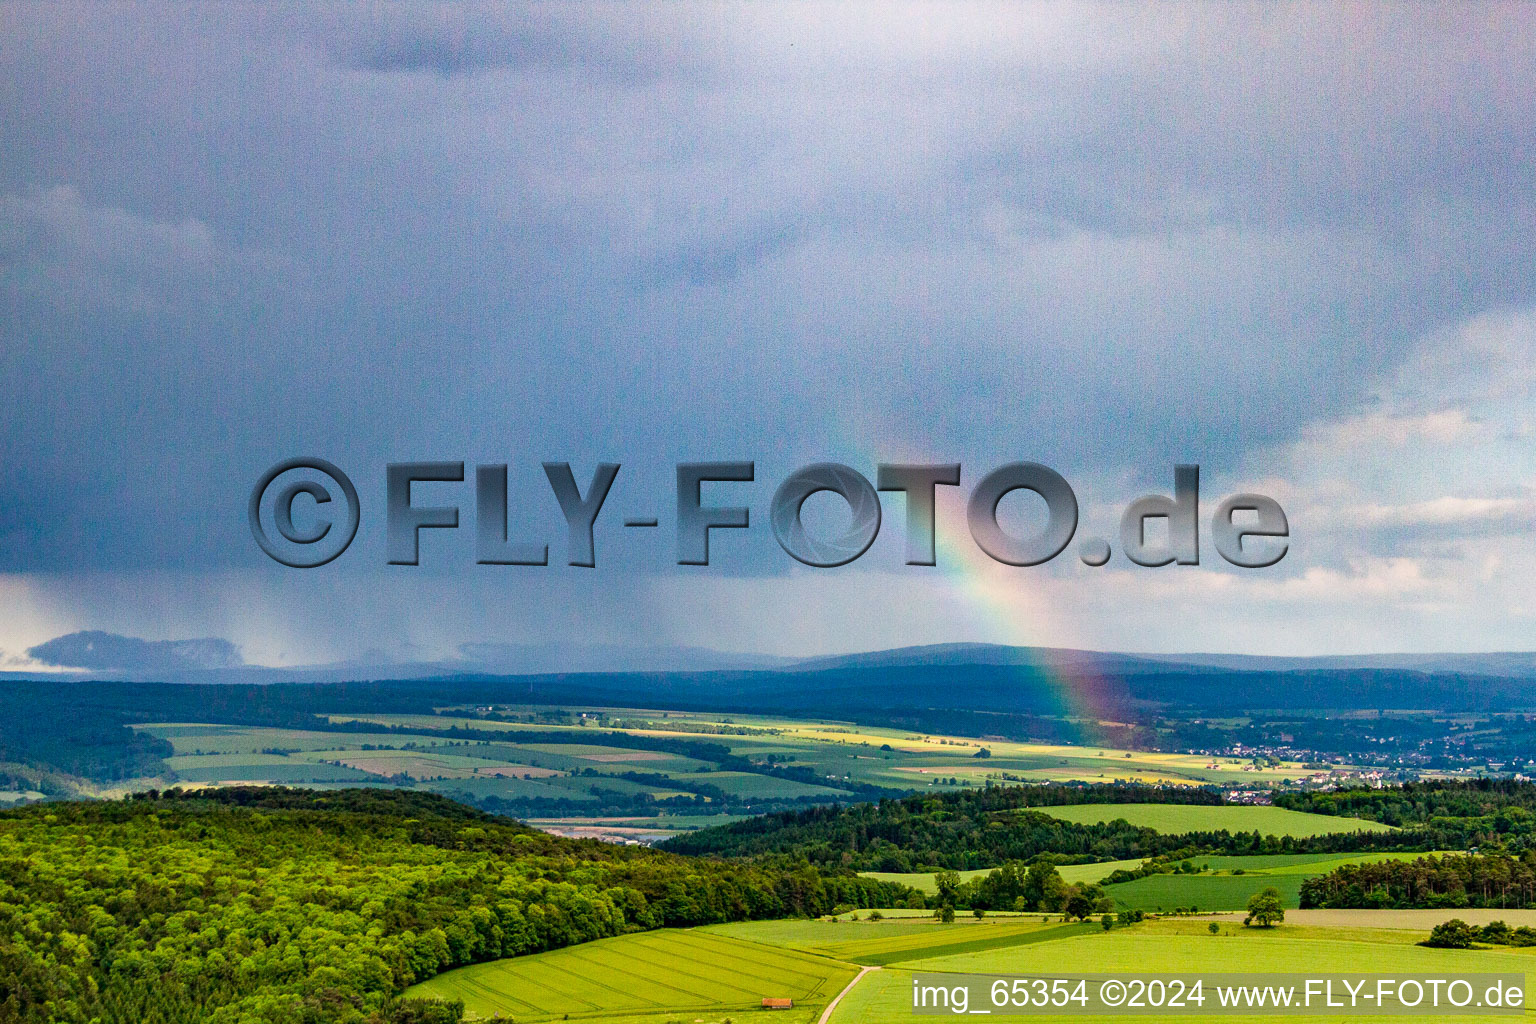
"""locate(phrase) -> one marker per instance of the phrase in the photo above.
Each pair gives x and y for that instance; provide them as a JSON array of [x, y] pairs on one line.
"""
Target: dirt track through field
[[826, 1014]]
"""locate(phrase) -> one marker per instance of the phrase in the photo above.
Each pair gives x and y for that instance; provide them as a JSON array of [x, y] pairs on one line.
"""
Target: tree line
[[1489, 814], [991, 826], [1473, 880]]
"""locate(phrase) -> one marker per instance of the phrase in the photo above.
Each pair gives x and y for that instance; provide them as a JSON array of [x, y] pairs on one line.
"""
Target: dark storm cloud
[[1105, 239], [461, 39]]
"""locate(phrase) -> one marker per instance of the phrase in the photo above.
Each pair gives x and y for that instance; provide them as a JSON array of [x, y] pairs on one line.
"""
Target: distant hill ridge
[[99, 655]]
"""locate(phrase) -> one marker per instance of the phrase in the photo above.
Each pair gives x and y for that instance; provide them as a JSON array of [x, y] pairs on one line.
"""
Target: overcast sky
[[1293, 244]]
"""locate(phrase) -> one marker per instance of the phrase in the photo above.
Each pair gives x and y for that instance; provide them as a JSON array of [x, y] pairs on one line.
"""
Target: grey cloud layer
[[1105, 239]]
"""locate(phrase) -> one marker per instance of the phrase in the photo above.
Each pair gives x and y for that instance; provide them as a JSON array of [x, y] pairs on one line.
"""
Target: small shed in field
[[778, 1004]]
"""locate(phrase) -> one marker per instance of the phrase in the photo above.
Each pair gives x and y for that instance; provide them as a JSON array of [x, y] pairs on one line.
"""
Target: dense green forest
[[989, 827], [1449, 814], [1451, 881], [274, 905]]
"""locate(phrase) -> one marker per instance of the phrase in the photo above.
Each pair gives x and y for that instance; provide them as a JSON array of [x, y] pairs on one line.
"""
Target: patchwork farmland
[[552, 764]]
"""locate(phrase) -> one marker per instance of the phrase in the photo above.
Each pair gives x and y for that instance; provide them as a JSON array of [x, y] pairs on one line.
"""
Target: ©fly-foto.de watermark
[[304, 512]]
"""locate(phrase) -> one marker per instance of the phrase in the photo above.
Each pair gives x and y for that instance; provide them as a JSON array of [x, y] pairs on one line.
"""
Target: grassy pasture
[[1225, 890], [1305, 864], [705, 974], [1184, 946], [879, 952], [1208, 892], [683, 972], [1174, 819], [1162, 946]]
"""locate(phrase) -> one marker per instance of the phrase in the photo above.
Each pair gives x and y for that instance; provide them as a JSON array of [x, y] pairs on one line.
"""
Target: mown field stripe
[[754, 957], [979, 945], [899, 943], [676, 972], [593, 978]]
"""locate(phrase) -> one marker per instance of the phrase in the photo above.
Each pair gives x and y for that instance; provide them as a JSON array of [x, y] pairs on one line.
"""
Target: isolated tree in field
[[1080, 905], [1265, 908], [1108, 921], [1452, 934], [946, 914], [948, 885], [1215, 929]]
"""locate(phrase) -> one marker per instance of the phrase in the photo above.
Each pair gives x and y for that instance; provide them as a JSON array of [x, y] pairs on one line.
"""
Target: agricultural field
[[1207, 892], [885, 757], [877, 943], [1305, 864], [1224, 883], [1232, 880], [573, 773], [708, 974], [923, 881], [829, 761], [646, 976], [1175, 819], [1185, 946]]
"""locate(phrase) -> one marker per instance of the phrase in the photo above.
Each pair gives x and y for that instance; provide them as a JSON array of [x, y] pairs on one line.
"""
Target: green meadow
[[1179, 818], [715, 972], [1227, 885], [646, 975], [924, 881]]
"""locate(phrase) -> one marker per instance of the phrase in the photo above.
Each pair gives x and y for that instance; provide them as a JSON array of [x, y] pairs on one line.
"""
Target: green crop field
[[887, 757], [1179, 818], [834, 757], [1302, 863], [923, 880], [664, 972], [1232, 880], [1184, 946], [706, 974], [886, 942], [1208, 892], [936, 943], [1162, 947]]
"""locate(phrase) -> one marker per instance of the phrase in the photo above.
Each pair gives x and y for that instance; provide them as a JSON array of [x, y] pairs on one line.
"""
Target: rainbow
[[1010, 608]]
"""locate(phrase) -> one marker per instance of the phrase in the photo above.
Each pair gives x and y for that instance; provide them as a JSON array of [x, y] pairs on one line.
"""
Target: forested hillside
[[1471, 881], [1451, 814], [272, 905], [989, 827]]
